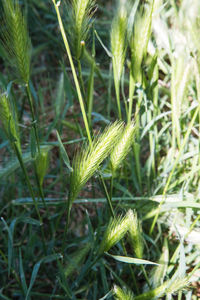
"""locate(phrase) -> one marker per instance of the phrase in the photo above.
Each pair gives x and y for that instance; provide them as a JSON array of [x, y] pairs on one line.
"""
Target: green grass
[[99, 149]]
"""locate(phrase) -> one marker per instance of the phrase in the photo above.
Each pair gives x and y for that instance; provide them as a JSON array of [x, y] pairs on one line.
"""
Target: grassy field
[[99, 149]]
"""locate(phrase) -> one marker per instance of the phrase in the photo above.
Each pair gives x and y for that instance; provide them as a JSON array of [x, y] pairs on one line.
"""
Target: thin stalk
[[30, 191], [68, 209], [41, 191], [80, 98], [197, 79], [80, 77], [33, 116], [91, 84], [131, 94], [109, 200], [136, 145], [111, 188], [117, 91], [41, 194], [145, 275], [109, 91], [90, 95]]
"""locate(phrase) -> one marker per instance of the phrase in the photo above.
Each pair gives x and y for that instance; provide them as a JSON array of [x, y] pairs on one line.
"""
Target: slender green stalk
[[81, 77], [68, 210], [81, 102], [34, 122], [136, 144], [90, 92], [131, 94], [109, 199]]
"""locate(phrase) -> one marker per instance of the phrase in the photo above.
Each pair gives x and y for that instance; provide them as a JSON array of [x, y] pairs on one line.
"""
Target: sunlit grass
[[99, 149]]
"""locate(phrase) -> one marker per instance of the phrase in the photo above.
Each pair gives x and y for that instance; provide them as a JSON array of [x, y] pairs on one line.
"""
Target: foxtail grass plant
[[89, 159]]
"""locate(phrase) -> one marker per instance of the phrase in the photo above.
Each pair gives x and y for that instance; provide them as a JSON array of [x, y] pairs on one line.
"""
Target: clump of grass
[[89, 159], [16, 39], [118, 48], [122, 148]]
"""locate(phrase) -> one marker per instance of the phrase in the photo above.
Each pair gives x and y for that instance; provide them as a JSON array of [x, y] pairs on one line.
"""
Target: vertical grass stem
[[56, 5]]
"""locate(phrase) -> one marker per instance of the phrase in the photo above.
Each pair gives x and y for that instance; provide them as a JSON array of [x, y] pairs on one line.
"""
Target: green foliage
[[78, 219]]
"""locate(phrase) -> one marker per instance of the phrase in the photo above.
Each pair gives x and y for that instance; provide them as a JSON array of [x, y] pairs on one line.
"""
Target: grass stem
[[81, 102]]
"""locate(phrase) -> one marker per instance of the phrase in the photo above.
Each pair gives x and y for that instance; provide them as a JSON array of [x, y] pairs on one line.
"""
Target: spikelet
[[42, 164], [82, 11], [118, 48], [120, 294], [135, 235], [159, 272], [177, 285], [122, 148], [89, 159], [76, 259], [8, 121], [140, 39], [118, 38], [115, 231], [168, 287], [16, 40]]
